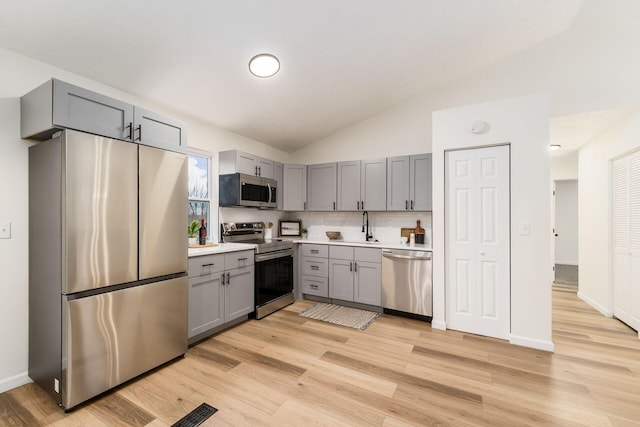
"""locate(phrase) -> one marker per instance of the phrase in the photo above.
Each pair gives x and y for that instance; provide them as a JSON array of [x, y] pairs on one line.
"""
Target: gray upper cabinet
[[158, 131], [409, 183], [278, 175], [349, 186], [294, 188], [373, 185], [234, 161], [420, 183], [398, 183], [321, 187], [362, 185], [57, 105]]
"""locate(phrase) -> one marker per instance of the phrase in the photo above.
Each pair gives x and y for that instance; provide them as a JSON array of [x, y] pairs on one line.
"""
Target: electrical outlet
[[5, 230]]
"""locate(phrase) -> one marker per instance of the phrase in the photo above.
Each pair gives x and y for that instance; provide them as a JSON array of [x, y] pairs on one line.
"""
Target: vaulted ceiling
[[341, 61]]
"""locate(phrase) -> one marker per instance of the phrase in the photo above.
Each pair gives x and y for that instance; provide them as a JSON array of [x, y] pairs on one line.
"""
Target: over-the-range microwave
[[237, 189]]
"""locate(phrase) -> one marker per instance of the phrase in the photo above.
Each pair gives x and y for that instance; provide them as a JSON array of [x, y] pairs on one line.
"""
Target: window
[[200, 189]]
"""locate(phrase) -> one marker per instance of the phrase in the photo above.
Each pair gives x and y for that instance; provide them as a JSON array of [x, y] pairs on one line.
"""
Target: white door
[[477, 274], [626, 240]]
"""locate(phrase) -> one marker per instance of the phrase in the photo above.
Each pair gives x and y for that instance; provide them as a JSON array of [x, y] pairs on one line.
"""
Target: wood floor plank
[[115, 410], [13, 413], [285, 370]]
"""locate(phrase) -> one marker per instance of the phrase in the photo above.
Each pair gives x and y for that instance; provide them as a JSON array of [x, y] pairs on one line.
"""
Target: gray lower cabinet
[[221, 289], [57, 105], [206, 293], [314, 269], [239, 292], [355, 274]]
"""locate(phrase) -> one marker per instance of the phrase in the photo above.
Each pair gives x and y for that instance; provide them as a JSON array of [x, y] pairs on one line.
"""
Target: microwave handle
[[269, 187]]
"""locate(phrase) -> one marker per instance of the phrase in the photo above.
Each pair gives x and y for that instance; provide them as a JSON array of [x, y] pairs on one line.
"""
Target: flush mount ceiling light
[[264, 65], [554, 147]]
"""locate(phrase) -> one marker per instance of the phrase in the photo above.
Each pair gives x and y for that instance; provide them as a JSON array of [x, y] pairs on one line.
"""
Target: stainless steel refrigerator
[[107, 263]]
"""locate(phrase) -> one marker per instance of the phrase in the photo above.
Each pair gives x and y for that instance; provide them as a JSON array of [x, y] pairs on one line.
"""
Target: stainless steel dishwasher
[[406, 283]]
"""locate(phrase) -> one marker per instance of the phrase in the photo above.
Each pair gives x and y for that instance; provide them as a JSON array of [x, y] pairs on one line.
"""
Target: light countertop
[[220, 249], [381, 245]]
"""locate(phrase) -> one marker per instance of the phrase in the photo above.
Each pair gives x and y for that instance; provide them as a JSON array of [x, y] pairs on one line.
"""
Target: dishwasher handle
[[394, 256]]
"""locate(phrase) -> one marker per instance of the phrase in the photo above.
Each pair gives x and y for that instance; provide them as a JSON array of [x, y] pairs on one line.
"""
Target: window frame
[[212, 231]]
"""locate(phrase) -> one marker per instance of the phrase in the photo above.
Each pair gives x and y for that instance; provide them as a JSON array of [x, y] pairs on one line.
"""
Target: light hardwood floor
[[286, 370]]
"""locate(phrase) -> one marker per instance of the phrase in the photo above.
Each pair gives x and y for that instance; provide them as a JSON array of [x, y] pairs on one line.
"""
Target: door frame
[[509, 230]]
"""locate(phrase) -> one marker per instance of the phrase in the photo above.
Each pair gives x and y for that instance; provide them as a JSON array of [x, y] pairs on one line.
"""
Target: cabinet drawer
[[320, 251], [317, 286], [341, 252], [368, 254], [315, 266], [205, 265], [238, 259]]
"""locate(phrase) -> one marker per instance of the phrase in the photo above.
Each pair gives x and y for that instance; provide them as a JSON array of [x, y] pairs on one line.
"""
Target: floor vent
[[197, 416]]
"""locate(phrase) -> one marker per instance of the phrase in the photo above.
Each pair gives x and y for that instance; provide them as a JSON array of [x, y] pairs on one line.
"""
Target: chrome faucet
[[365, 226]]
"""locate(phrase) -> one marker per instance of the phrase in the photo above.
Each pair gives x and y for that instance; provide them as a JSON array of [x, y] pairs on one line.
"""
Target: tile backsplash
[[385, 226]]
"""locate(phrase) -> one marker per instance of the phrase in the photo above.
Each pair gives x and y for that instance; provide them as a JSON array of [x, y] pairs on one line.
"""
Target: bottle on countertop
[[419, 232], [202, 233]]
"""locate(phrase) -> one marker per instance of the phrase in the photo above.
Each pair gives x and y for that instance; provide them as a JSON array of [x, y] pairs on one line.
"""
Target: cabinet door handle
[[222, 278], [334, 206], [130, 127], [243, 259], [304, 206], [406, 205], [355, 267], [412, 205], [350, 266], [314, 251], [208, 265], [358, 204], [315, 267], [259, 170], [139, 129], [362, 204], [228, 278], [256, 173], [314, 286]]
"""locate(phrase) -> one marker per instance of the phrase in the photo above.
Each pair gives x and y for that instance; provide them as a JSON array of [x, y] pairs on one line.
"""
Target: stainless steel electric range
[[273, 265]]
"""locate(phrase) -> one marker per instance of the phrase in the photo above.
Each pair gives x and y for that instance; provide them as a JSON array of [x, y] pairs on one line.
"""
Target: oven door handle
[[273, 255]]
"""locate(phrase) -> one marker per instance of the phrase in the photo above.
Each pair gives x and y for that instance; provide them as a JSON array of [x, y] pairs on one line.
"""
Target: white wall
[[18, 75], [565, 167], [14, 252], [524, 124], [566, 222], [594, 210]]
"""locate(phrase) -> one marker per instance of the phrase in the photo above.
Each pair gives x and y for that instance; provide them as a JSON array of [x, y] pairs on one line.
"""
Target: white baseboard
[[9, 383], [438, 324], [592, 303], [532, 343]]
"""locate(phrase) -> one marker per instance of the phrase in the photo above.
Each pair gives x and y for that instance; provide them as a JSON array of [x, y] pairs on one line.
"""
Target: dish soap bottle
[[419, 232], [202, 233]]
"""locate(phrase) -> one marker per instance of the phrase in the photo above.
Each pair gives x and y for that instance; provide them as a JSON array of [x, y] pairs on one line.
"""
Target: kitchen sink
[[360, 242]]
